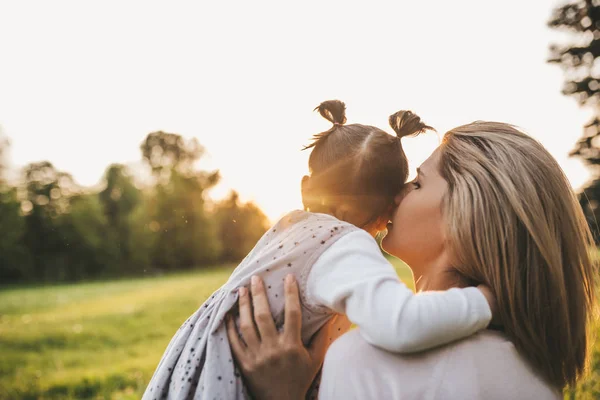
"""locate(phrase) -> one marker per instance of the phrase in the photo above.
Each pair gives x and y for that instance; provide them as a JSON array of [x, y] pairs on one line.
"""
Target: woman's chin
[[389, 243], [386, 240]]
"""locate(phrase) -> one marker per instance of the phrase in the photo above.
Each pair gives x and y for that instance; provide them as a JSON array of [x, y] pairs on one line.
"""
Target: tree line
[[53, 230], [580, 61]]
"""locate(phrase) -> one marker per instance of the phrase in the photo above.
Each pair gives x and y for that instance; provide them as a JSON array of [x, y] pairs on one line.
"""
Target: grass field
[[102, 340], [93, 340]]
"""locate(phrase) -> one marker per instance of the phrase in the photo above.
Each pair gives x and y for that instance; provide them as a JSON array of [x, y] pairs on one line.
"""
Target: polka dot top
[[197, 363]]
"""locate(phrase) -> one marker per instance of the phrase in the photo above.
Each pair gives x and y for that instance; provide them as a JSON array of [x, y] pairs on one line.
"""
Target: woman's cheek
[[406, 222], [405, 212], [400, 233]]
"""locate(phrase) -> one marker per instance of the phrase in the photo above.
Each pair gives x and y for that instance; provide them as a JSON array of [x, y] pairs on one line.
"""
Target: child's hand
[[491, 299]]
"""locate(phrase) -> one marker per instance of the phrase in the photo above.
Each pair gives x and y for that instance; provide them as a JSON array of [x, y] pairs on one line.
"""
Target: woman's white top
[[484, 366]]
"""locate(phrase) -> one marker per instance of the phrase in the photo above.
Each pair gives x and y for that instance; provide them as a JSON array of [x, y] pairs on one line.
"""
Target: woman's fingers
[[247, 320], [262, 311], [237, 347], [293, 314]]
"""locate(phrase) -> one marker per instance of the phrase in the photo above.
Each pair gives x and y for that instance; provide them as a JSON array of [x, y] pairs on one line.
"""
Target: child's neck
[[371, 230]]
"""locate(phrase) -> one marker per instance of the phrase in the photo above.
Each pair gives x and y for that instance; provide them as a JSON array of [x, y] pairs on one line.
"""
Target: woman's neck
[[436, 274]]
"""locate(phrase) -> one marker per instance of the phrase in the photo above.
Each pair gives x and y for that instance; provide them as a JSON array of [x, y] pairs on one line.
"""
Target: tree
[[185, 235], [42, 204], [48, 193], [579, 60], [15, 260], [167, 152], [240, 226], [89, 250], [54, 230], [143, 236], [119, 199], [4, 144], [67, 233]]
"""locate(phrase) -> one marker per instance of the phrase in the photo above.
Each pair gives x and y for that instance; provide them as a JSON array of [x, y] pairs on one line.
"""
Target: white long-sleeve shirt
[[352, 277]]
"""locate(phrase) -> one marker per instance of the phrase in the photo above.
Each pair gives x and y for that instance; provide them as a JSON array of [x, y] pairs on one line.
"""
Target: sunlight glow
[[81, 84]]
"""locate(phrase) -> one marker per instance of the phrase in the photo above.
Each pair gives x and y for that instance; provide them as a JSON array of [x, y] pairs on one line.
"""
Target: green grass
[[93, 340], [102, 340], [589, 387]]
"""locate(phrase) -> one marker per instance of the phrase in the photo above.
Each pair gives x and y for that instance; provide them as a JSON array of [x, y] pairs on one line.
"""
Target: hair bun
[[407, 123], [333, 111]]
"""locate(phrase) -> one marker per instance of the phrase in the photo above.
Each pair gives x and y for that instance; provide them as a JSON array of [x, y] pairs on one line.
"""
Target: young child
[[355, 173]]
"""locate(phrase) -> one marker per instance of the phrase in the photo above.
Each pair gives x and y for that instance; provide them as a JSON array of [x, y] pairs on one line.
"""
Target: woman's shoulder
[[491, 358], [485, 365], [481, 348]]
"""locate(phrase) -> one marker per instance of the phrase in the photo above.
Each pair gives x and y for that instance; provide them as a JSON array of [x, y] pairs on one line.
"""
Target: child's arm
[[353, 277]]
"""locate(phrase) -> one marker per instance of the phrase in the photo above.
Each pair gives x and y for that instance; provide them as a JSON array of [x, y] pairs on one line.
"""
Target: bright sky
[[82, 83]]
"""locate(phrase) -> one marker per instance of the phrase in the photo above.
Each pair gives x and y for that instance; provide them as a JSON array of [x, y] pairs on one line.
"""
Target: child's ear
[[304, 190], [305, 180], [344, 212]]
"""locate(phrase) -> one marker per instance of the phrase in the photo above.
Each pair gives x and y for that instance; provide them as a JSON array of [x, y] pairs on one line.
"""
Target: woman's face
[[416, 233]]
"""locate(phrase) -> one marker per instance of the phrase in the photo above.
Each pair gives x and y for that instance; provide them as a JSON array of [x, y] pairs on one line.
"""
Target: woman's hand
[[275, 365]]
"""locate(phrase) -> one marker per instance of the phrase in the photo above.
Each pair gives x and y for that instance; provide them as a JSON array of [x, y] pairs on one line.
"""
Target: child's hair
[[357, 170]]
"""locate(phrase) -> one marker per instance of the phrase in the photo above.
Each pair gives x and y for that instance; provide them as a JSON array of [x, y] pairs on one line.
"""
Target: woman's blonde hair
[[514, 224]]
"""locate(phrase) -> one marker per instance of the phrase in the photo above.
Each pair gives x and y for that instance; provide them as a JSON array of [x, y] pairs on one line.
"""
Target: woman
[[489, 206]]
